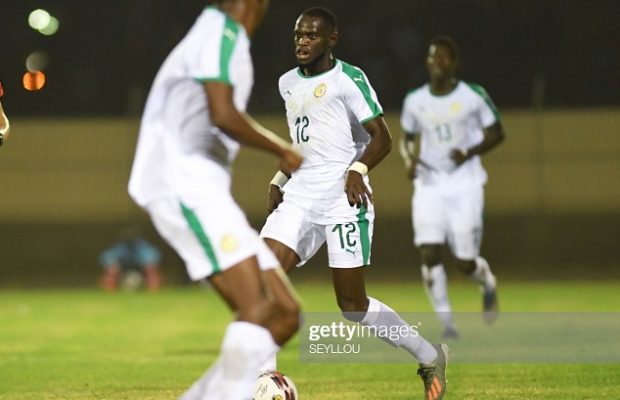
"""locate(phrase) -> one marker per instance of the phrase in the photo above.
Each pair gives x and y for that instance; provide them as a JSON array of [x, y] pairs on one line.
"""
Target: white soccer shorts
[[210, 238], [304, 224], [455, 216]]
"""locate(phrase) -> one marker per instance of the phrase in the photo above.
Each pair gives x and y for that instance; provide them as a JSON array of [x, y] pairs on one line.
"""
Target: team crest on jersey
[[229, 243], [456, 107], [320, 90]]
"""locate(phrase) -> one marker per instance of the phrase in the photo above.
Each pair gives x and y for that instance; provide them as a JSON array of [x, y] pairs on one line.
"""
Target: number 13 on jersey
[[301, 123]]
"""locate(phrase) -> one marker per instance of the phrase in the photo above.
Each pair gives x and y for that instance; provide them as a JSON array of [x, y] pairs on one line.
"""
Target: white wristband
[[464, 152], [359, 167], [279, 179]]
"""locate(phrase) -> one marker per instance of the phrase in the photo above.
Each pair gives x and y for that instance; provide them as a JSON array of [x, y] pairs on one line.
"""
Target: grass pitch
[[85, 344]]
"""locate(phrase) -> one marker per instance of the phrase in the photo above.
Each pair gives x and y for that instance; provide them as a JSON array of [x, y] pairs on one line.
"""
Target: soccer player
[[448, 125], [193, 124], [336, 121], [130, 256], [5, 127]]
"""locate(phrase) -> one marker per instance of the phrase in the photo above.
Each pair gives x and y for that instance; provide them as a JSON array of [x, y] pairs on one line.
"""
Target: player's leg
[[429, 225], [217, 242], [435, 283], [286, 256], [349, 246], [152, 277], [110, 278], [238, 363], [282, 325], [465, 239], [290, 234], [356, 306], [293, 239]]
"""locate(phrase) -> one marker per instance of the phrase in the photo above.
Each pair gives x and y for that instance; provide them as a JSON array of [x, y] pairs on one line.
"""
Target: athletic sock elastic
[[380, 315], [436, 285]]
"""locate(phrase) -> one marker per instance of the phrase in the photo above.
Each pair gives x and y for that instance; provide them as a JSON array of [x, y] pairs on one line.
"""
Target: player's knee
[[259, 312], [467, 266], [430, 254], [287, 313], [353, 309]]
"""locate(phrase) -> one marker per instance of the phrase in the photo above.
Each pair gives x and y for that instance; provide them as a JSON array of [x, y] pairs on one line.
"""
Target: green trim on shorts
[[196, 227], [362, 222]]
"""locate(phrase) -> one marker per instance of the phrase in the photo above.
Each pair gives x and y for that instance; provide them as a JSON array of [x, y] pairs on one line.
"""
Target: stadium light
[[42, 21], [51, 28], [37, 61], [33, 80], [39, 19]]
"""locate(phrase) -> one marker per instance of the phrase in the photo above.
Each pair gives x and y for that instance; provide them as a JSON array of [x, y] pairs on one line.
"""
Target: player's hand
[[274, 199], [459, 156], [357, 192], [290, 160]]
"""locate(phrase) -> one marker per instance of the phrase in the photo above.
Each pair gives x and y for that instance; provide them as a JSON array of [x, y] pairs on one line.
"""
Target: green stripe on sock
[[194, 224], [362, 222]]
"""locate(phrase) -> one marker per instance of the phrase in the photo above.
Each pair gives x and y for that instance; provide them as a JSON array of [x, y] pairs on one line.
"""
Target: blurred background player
[[5, 127], [448, 125], [191, 130], [129, 262], [336, 121]]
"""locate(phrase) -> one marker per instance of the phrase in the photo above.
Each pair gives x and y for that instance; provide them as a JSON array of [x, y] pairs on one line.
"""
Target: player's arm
[[493, 135], [275, 196], [5, 126], [379, 146], [244, 129], [409, 147]]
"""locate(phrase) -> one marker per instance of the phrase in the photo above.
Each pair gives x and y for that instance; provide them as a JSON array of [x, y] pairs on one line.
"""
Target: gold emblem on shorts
[[229, 243], [456, 107], [320, 90]]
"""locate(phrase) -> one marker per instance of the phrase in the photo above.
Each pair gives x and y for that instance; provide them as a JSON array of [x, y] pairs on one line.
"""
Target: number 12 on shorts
[[344, 232]]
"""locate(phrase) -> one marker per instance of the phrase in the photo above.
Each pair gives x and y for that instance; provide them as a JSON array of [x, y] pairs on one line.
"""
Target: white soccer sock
[[270, 365], [380, 315], [482, 274], [213, 374], [245, 348], [436, 285]]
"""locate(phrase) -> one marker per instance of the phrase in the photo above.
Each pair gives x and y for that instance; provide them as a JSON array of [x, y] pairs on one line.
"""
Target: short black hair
[[448, 43], [326, 15]]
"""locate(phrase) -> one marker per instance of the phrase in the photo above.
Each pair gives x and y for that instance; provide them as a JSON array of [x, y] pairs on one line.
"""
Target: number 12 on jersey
[[301, 123]]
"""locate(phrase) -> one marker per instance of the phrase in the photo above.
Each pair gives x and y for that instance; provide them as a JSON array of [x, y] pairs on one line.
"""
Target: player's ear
[[333, 39]]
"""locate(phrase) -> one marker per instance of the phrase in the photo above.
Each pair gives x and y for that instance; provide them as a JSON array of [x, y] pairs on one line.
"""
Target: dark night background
[[105, 54]]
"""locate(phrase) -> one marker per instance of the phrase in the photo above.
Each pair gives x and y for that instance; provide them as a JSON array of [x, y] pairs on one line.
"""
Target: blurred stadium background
[[552, 67]]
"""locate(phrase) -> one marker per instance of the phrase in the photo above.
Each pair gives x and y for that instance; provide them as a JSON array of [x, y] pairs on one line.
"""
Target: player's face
[[312, 40], [439, 62]]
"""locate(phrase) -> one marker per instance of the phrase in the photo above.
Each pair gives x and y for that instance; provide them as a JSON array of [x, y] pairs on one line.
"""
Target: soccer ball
[[275, 386]]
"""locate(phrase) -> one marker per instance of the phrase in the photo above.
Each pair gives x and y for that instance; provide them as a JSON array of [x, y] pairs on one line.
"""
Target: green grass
[[71, 344]]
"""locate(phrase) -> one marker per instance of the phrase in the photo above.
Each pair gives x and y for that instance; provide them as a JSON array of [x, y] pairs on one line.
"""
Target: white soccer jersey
[[447, 122], [178, 146], [325, 114]]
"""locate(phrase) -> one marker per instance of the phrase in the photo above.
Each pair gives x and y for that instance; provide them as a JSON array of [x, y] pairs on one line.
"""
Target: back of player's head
[[448, 43], [323, 13]]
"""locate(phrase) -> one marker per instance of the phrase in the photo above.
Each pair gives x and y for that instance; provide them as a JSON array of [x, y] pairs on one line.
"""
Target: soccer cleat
[[450, 333], [433, 374]]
